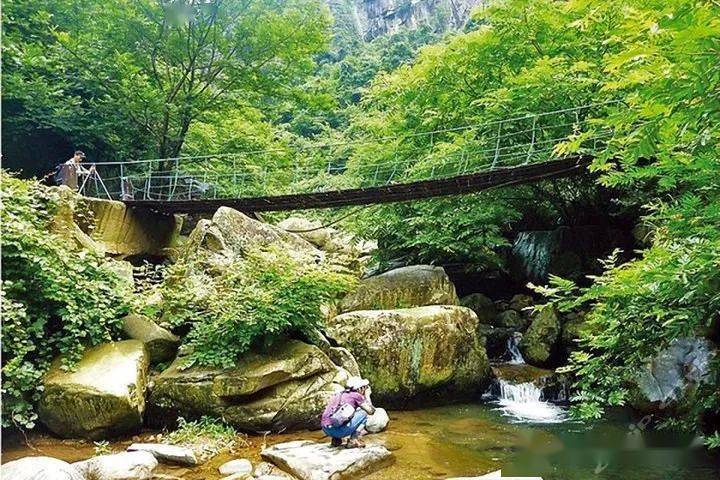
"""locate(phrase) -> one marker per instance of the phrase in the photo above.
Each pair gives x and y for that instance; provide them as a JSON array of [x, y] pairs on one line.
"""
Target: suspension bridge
[[459, 160]]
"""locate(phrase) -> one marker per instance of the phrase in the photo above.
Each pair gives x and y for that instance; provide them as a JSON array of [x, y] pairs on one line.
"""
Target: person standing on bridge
[[72, 171]]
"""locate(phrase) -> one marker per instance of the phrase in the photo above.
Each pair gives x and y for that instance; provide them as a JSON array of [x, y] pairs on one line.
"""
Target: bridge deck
[[468, 183]]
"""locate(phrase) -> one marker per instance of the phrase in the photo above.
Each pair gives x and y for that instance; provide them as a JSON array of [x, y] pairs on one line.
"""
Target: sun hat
[[356, 383]]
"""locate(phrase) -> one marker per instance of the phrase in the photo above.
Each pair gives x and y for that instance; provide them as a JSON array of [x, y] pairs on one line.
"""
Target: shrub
[[55, 300], [639, 307], [206, 437], [260, 296]]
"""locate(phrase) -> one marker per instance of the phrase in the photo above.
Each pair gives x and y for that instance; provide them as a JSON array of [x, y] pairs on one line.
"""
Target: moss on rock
[[415, 354]]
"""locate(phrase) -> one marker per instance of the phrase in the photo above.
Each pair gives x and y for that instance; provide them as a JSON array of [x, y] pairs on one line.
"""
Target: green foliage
[[638, 307], [666, 152], [131, 77], [426, 231], [55, 300], [713, 441], [255, 298], [102, 447], [207, 437]]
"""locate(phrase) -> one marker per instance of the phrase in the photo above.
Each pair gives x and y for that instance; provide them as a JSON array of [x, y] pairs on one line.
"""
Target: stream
[[473, 439], [521, 426]]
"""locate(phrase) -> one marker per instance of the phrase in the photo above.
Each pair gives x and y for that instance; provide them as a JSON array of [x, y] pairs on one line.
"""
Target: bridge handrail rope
[[498, 144], [368, 140]]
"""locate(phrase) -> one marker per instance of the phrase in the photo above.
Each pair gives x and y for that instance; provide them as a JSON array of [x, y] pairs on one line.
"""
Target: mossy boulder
[[511, 319], [415, 354], [483, 307], [103, 396], [413, 286], [284, 386], [574, 325], [520, 302], [161, 344], [540, 342]]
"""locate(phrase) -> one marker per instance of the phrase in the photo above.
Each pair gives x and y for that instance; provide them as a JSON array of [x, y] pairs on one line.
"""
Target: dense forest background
[[156, 79]]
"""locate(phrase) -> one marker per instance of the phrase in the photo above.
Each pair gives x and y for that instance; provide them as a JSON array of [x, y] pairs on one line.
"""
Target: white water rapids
[[523, 404]]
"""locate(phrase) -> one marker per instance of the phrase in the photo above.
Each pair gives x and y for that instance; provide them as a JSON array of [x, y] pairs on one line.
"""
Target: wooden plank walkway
[[462, 184]]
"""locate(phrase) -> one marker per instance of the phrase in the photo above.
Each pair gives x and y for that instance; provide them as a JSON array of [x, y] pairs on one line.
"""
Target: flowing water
[[523, 403], [473, 439], [513, 349]]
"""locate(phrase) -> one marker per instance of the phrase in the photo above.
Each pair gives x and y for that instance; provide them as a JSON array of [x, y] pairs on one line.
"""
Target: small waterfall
[[532, 252], [513, 348], [523, 403]]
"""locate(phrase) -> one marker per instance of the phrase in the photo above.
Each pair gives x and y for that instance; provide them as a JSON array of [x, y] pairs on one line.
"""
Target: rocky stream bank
[[406, 330]]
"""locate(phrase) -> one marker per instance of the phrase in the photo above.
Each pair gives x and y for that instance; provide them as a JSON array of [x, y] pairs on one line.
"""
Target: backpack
[[58, 174], [342, 414]]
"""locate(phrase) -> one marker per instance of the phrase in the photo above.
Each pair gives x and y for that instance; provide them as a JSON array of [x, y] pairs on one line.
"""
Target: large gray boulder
[[39, 468], [308, 460], [415, 353], [325, 238], [673, 375], [310, 230], [232, 233], [161, 344], [103, 396], [540, 342], [413, 286], [118, 466], [283, 387]]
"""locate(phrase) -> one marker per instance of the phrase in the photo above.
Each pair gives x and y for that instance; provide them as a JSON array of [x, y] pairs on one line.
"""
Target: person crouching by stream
[[347, 412]]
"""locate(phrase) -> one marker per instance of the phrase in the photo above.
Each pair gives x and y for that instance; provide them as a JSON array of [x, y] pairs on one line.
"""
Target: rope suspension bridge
[[441, 162]]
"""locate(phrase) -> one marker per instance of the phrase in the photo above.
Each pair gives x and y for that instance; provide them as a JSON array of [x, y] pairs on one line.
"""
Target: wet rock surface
[[540, 341], [309, 460]]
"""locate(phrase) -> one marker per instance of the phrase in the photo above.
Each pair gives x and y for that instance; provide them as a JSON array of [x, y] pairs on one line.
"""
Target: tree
[[155, 65]]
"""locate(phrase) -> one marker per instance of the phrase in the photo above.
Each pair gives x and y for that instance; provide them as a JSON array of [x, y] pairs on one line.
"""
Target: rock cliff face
[[373, 18]]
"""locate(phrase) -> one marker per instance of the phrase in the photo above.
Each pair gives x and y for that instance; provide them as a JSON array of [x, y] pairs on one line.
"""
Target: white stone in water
[[39, 468], [118, 466], [309, 460], [378, 421], [236, 467], [166, 453]]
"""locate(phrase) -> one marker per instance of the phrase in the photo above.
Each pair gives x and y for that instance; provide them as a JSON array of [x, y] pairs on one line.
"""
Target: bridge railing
[[362, 163]]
